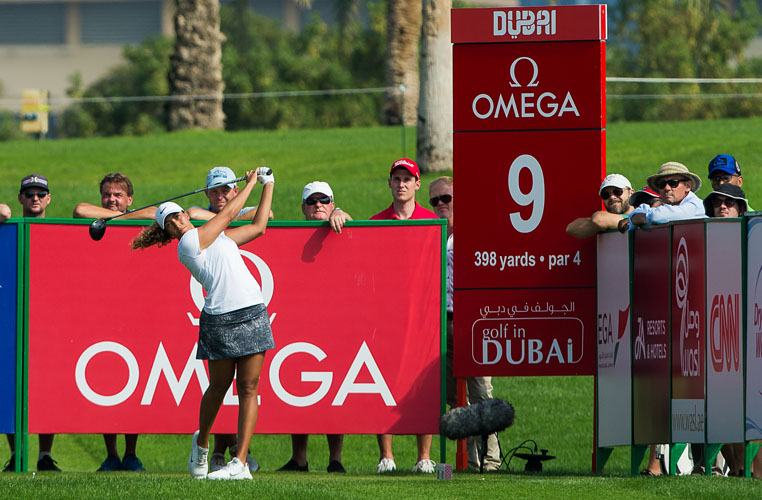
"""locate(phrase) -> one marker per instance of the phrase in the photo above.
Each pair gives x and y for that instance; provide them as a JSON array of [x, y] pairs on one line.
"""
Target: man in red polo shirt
[[404, 181]]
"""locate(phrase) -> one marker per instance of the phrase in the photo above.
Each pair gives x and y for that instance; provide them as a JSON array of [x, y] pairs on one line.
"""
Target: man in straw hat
[[676, 185]]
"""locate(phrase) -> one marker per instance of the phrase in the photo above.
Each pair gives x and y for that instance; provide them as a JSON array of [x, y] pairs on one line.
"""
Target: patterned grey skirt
[[234, 334]]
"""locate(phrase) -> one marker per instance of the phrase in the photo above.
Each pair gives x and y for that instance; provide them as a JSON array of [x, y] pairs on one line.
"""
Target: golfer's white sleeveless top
[[221, 271]]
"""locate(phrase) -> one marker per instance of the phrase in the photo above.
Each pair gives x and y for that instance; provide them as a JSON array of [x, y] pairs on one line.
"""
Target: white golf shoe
[[235, 469], [198, 466]]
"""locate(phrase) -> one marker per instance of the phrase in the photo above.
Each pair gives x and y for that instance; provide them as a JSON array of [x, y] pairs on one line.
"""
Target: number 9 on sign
[[535, 197]]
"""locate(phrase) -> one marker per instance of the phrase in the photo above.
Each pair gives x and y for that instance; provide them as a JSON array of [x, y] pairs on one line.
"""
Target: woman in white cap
[[234, 328]]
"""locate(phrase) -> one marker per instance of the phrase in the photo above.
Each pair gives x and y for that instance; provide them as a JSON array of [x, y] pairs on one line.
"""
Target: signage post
[[529, 118]]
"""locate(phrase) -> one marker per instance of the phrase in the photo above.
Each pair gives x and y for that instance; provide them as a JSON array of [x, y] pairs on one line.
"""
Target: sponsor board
[[113, 332], [651, 288], [687, 332], [753, 421], [724, 332], [525, 332], [529, 24], [8, 300], [614, 389], [528, 86]]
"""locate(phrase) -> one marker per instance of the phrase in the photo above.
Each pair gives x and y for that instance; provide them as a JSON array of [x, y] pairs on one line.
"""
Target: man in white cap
[[318, 205], [220, 189], [615, 192], [676, 185]]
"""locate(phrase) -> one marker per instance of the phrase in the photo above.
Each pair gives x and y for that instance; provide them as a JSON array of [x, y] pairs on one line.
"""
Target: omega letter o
[[81, 380]]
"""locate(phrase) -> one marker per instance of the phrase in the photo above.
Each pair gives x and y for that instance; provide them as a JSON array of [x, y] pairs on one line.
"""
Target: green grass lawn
[[556, 412]]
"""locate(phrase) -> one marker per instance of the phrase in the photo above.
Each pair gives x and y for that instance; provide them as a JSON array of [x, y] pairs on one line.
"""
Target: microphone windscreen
[[485, 417]]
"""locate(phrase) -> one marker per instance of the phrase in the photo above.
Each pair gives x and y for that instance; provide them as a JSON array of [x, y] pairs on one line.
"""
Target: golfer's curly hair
[[152, 235]]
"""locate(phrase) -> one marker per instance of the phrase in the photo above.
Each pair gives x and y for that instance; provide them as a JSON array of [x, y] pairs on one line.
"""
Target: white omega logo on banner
[[81, 379], [267, 285], [523, 104]]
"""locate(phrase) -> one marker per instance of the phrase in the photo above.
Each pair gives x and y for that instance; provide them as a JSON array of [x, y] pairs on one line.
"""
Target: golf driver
[[98, 227]]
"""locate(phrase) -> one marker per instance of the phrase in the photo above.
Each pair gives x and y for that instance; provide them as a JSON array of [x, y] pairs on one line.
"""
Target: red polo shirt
[[418, 213]]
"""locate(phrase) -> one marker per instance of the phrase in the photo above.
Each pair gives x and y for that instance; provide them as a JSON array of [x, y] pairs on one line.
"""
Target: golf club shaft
[[174, 198]]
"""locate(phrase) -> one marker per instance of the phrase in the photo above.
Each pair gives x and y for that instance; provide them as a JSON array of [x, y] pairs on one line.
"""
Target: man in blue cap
[[725, 169]]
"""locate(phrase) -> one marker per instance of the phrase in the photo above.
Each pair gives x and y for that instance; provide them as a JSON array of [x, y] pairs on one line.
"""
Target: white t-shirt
[[221, 271]]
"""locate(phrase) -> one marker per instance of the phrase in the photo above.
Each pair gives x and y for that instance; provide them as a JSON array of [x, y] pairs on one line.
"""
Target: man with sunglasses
[[724, 169], [318, 205], [116, 196], [34, 196], [615, 192], [676, 186], [477, 388], [404, 180]]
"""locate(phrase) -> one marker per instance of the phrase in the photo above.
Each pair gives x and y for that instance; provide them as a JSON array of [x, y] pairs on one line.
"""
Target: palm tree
[[196, 66], [402, 29], [435, 104]]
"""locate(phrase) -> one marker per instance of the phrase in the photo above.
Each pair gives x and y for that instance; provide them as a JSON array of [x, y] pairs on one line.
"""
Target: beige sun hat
[[674, 168]]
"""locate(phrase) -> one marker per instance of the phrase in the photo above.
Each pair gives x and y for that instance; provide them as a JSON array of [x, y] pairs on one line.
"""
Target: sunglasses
[[325, 200], [673, 183], [445, 198], [719, 179], [717, 202], [606, 194], [32, 194]]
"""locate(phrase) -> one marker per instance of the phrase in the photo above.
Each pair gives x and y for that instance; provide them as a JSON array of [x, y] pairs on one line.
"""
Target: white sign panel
[[613, 327], [724, 327], [753, 423]]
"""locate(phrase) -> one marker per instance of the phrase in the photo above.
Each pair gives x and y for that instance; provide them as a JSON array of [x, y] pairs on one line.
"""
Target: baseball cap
[[724, 163], [643, 196], [34, 180], [616, 180], [316, 187], [166, 209], [219, 176], [408, 165]]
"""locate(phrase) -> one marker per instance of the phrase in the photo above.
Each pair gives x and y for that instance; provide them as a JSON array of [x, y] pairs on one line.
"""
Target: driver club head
[[97, 229]]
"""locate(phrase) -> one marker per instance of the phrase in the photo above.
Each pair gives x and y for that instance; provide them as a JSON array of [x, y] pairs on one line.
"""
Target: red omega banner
[[356, 319]]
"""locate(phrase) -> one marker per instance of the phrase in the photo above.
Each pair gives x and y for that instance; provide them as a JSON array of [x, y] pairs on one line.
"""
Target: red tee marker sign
[[529, 143]]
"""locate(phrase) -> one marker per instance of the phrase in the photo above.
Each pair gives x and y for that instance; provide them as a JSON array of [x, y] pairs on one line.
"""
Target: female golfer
[[234, 328]]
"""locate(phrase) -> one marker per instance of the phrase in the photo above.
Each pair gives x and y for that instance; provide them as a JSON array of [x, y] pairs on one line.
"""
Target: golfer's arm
[[244, 234], [217, 224]]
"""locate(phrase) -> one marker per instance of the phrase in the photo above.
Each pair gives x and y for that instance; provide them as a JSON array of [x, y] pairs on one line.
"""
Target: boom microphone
[[479, 419]]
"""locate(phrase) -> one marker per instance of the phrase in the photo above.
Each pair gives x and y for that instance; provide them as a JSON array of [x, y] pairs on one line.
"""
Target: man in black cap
[[34, 197]]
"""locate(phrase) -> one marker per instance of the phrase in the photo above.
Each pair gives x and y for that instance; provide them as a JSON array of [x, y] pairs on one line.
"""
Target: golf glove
[[265, 175]]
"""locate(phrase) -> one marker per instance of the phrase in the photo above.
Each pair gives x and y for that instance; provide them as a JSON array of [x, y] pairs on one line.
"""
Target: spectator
[[727, 200], [5, 212], [676, 186], [34, 196], [404, 181], [724, 169], [646, 196], [477, 388], [318, 204], [220, 189], [615, 192], [116, 196]]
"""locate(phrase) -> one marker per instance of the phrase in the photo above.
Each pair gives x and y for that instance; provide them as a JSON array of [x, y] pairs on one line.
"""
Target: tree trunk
[[196, 66], [402, 29], [435, 105]]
